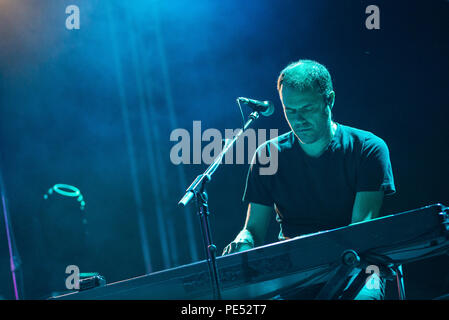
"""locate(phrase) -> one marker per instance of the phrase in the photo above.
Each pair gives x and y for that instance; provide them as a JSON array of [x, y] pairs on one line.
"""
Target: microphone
[[266, 108]]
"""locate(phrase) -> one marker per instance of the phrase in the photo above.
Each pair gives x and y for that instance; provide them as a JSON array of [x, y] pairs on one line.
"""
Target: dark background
[[94, 108]]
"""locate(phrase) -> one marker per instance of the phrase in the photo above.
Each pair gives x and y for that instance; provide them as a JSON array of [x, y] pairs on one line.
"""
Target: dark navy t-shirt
[[314, 194]]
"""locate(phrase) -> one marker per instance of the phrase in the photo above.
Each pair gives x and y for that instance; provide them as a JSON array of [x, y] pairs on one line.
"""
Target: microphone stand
[[198, 190], [14, 258]]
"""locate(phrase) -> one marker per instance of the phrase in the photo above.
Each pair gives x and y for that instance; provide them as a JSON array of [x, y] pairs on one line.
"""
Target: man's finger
[[227, 249]]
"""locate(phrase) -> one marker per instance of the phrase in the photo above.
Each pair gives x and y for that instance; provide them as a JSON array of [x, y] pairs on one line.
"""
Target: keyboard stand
[[336, 284], [350, 260]]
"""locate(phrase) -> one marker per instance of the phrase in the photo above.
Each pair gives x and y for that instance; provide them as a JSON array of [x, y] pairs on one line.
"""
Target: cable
[[241, 112]]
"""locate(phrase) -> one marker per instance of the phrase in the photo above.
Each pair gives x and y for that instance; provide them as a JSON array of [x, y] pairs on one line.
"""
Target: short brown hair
[[306, 74]]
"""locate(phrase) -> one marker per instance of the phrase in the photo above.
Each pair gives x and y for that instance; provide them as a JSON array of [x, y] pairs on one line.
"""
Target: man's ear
[[331, 99]]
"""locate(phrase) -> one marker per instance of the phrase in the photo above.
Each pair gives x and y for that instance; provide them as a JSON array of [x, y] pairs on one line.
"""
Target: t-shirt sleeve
[[375, 172], [258, 188]]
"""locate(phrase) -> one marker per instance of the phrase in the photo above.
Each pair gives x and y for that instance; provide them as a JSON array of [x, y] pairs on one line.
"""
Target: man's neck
[[318, 147]]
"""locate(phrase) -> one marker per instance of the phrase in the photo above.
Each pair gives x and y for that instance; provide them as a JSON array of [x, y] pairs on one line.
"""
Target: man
[[329, 175]]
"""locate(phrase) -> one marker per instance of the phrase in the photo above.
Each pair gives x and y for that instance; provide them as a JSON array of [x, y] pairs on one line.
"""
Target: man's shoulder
[[362, 137], [365, 143]]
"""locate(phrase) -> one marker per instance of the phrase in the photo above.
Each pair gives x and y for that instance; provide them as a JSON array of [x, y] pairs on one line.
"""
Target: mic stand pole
[[197, 190], [14, 258]]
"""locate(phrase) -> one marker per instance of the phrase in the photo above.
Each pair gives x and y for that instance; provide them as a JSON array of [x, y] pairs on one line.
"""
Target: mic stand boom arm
[[197, 190]]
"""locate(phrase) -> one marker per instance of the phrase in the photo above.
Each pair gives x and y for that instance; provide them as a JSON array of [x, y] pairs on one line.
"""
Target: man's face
[[306, 113]]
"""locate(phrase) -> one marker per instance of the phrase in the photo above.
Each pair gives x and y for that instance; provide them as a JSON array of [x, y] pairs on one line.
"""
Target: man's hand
[[256, 225], [242, 242], [236, 247]]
